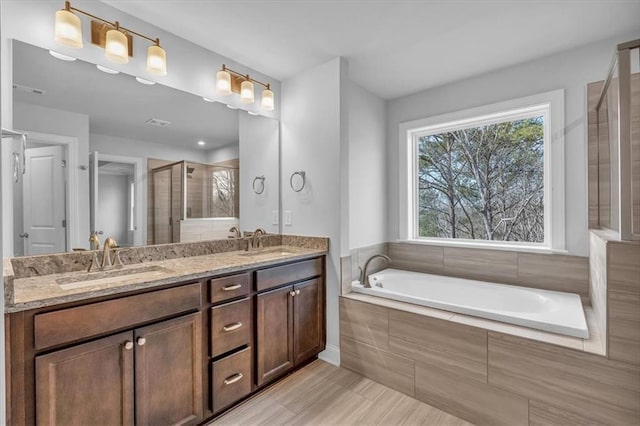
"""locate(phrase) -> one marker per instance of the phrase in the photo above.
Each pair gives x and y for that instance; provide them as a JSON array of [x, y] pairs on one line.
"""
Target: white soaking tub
[[551, 311]]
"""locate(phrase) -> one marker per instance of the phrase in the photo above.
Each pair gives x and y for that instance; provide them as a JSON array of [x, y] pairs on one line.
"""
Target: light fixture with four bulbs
[[116, 40]]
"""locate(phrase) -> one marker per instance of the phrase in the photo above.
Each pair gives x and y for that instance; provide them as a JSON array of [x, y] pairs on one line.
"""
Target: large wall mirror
[[143, 163]]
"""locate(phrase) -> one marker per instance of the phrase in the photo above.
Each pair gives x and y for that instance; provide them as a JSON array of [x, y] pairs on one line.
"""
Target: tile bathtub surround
[[487, 377], [556, 272]]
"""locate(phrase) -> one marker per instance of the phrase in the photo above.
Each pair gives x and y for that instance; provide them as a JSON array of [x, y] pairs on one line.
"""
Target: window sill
[[526, 248]]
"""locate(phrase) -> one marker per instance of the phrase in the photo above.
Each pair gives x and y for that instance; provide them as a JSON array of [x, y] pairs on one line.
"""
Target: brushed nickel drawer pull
[[231, 287], [297, 292], [232, 379], [231, 327], [128, 345], [292, 293]]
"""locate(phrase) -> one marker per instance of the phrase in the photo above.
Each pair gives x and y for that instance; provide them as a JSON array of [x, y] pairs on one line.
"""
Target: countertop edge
[[123, 289]]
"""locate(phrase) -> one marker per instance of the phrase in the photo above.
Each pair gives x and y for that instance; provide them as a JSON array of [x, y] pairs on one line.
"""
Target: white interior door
[[44, 201]]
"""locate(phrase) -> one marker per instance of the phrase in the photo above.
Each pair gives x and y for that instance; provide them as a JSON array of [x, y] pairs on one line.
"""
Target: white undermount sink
[[114, 276], [266, 253]]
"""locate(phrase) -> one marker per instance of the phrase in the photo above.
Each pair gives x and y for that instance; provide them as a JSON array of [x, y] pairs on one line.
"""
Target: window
[[486, 176]]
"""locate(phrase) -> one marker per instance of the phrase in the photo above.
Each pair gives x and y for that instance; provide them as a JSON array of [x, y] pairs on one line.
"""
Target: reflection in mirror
[[143, 164]]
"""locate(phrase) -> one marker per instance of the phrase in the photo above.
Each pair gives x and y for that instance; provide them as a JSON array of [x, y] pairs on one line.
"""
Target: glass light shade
[[156, 60], [267, 102], [223, 83], [68, 29], [246, 92], [116, 48]]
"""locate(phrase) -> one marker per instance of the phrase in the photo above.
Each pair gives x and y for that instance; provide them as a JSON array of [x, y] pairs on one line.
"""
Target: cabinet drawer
[[231, 379], [273, 277], [73, 324], [221, 289], [230, 326]]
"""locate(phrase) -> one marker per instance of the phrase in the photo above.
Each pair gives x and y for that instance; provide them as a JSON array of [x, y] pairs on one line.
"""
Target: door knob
[[24, 235], [141, 341], [128, 345]]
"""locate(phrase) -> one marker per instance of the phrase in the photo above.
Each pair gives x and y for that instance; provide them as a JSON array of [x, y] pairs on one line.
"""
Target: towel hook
[[258, 184], [302, 175]]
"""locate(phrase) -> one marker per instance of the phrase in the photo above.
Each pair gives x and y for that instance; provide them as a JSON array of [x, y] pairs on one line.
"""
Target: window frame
[[551, 106]]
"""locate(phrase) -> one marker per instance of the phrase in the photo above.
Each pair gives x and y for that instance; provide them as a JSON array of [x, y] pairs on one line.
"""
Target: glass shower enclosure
[[187, 190], [618, 145]]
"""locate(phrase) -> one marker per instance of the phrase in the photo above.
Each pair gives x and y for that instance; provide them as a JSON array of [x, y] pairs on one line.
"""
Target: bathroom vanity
[[179, 349]]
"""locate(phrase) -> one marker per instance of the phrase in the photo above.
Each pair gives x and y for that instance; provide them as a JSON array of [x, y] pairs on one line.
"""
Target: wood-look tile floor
[[322, 394]]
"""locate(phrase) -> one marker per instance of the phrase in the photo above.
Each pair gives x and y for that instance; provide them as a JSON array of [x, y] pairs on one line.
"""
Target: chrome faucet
[[256, 242], [236, 232], [364, 277]]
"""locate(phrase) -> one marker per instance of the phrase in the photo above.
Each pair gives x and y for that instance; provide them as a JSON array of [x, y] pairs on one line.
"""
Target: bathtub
[[551, 311]]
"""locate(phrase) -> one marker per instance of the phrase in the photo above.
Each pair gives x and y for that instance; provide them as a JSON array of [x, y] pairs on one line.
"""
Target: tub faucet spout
[[364, 277]]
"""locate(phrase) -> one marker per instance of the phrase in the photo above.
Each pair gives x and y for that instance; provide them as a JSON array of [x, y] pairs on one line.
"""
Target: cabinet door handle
[[141, 341], [231, 327], [231, 287], [292, 293], [128, 345], [297, 292], [232, 379]]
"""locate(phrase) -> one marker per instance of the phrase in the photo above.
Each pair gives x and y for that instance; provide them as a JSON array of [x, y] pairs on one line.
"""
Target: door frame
[[73, 177], [139, 167]]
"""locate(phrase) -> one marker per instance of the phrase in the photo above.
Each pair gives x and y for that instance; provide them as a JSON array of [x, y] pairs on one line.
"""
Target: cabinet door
[[169, 372], [308, 323], [88, 384], [274, 324]]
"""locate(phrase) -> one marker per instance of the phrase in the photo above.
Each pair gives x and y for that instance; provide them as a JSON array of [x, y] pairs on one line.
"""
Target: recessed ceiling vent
[[158, 122], [28, 89]]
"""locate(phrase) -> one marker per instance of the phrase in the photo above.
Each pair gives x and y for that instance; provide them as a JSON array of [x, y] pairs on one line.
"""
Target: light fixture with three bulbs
[[116, 40], [228, 81]]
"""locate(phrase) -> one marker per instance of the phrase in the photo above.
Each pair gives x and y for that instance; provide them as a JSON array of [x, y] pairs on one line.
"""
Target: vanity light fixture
[[228, 81], [61, 56], [107, 70], [116, 40]]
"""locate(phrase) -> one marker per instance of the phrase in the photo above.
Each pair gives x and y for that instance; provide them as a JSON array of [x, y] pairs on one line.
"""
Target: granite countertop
[[47, 290]]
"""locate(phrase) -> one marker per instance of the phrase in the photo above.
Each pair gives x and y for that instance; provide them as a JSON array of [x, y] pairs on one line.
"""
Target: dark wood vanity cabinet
[[180, 354], [153, 371], [91, 383], [290, 325]]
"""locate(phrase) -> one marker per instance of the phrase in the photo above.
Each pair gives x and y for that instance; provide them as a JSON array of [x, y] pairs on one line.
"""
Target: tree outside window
[[483, 183]]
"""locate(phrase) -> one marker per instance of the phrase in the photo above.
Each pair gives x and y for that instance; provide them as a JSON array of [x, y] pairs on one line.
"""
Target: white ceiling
[[394, 48], [118, 105]]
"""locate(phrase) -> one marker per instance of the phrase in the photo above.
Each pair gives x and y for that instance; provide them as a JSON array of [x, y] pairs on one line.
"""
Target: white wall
[[63, 123], [223, 153], [259, 156], [570, 70], [311, 141], [367, 168]]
